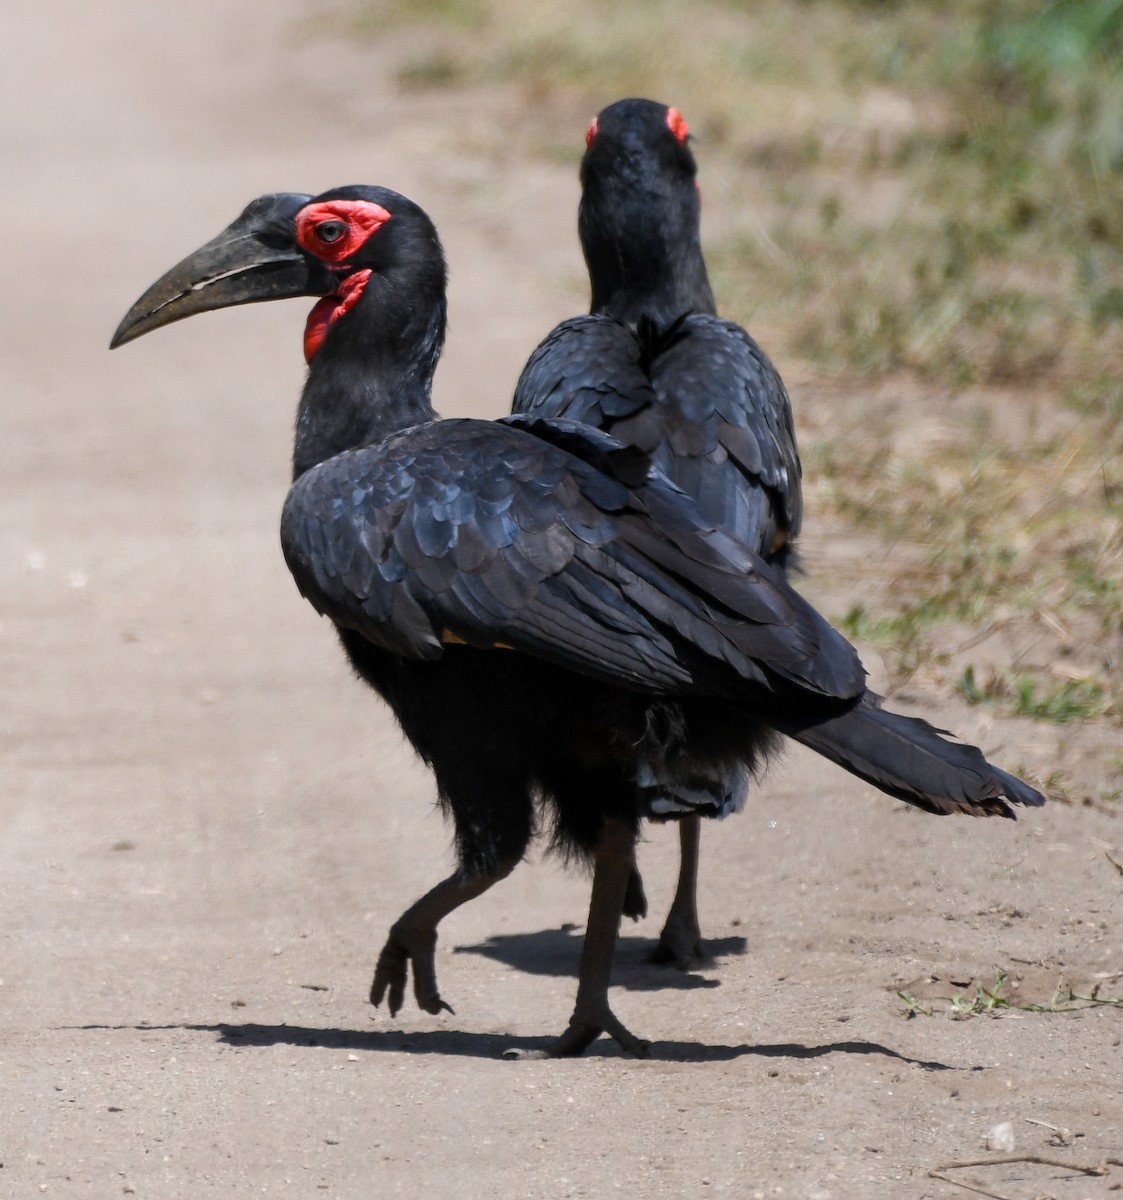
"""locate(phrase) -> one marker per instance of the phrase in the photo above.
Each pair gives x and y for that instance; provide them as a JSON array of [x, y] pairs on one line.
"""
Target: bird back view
[[655, 366]]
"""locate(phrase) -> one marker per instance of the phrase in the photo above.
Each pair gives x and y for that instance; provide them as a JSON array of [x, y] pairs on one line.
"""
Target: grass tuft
[[928, 193], [995, 999]]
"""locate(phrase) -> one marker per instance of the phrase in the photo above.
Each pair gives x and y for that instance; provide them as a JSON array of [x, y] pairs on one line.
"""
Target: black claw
[[389, 982], [664, 955], [391, 976], [580, 1035]]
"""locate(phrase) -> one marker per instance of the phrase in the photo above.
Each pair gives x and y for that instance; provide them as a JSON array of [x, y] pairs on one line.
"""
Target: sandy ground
[[208, 826]]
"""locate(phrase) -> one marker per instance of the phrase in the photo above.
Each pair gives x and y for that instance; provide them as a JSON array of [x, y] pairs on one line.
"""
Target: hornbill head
[[641, 142], [292, 244], [639, 218]]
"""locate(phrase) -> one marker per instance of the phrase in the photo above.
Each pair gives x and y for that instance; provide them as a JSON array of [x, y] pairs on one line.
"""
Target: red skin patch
[[591, 132], [318, 227], [333, 230], [331, 308], [676, 123]]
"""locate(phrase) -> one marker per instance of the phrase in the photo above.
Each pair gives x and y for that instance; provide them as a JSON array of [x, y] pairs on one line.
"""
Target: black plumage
[[698, 396], [657, 368], [539, 607], [661, 599]]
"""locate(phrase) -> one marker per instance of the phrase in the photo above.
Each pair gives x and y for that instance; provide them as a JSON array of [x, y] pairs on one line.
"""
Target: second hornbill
[[653, 365], [541, 608]]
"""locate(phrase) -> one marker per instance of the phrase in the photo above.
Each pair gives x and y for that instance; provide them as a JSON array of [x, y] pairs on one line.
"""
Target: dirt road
[[208, 826]]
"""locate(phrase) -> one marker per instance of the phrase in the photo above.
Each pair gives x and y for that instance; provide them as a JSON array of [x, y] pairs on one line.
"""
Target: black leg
[[413, 940], [635, 900], [680, 942], [614, 862]]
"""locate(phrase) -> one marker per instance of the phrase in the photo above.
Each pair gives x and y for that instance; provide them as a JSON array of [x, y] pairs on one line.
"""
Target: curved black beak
[[256, 258]]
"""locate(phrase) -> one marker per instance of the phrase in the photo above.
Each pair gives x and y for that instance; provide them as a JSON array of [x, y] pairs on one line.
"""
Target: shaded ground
[[207, 825]]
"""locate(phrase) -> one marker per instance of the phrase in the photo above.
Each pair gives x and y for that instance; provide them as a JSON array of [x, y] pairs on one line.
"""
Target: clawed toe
[[580, 1034], [679, 947], [635, 900], [390, 977], [390, 973]]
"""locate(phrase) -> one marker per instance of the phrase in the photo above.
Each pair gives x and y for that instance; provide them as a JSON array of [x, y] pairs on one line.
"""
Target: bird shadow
[[557, 952], [458, 1043]]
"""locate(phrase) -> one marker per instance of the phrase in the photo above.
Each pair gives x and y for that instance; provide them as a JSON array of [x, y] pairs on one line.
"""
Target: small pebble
[[1001, 1137]]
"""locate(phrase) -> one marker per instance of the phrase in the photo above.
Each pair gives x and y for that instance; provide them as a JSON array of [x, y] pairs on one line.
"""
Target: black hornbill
[[539, 606], [654, 365]]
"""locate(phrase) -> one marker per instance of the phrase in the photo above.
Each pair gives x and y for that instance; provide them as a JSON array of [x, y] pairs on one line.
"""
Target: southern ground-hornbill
[[542, 609], [709, 407]]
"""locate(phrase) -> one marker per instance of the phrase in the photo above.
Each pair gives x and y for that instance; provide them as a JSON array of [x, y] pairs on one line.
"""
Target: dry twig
[[1041, 1160], [962, 1183]]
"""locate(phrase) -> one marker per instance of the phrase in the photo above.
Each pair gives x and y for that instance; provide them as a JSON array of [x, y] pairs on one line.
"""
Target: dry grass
[[915, 192]]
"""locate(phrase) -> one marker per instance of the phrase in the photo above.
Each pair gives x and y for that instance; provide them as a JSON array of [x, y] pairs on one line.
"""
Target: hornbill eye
[[330, 231]]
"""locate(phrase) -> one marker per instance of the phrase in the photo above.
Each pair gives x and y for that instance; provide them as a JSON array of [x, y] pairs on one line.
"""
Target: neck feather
[[643, 249], [372, 375]]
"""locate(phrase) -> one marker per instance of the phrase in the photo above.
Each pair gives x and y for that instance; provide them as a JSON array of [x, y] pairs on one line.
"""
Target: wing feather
[[700, 397], [555, 556]]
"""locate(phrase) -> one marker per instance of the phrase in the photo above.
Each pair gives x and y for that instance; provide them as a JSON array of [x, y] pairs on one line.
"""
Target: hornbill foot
[[390, 971], [680, 945], [585, 1026], [635, 900]]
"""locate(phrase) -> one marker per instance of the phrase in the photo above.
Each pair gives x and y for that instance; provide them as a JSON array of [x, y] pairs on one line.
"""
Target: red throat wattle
[[331, 308]]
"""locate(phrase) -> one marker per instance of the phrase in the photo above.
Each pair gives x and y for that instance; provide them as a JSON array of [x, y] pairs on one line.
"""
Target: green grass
[[995, 999], [929, 192], [1014, 532], [989, 133], [1027, 696]]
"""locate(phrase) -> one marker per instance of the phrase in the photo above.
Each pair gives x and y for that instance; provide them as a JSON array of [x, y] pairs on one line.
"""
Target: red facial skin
[[676, 123], [318, 232], [333, 230]]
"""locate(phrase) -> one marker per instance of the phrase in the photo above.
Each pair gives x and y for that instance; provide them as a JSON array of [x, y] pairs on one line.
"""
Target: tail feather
[[908, 758]]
